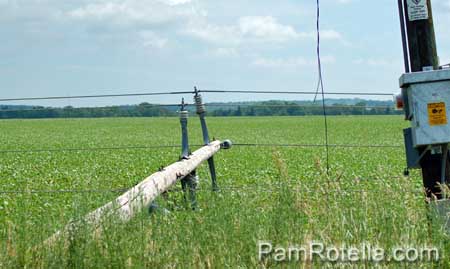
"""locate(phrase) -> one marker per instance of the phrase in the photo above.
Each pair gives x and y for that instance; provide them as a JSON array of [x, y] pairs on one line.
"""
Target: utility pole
[[420, 53], [201, 111]]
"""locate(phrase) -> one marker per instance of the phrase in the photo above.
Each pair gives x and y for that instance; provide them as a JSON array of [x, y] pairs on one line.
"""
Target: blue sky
[[57, 47]]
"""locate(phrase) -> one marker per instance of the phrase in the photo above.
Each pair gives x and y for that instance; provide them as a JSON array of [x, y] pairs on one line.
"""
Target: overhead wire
[[298, 92], [137, 147], [7, 110], [321, 88], [93, 96], [189, 92], [259, 187]]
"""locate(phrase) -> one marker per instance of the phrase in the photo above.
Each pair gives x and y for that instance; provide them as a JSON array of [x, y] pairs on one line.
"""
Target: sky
[[85, 47]]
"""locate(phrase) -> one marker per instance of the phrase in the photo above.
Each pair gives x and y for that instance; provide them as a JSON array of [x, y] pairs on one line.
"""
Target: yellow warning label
[[437, 114]]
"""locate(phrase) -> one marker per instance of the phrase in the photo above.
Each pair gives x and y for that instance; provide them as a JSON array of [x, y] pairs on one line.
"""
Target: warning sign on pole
[[437, 114], [417, 10]]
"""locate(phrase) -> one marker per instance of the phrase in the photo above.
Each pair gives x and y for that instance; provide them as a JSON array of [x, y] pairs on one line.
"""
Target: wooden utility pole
[[137, 198], [421, 55], [421, 39]]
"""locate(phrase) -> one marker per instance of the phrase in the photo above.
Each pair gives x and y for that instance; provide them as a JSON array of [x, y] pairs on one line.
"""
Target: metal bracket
[[423, 154], [412, 153]]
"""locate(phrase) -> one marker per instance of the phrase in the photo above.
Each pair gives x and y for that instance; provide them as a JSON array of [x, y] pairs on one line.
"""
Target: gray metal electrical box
[[427, 95]]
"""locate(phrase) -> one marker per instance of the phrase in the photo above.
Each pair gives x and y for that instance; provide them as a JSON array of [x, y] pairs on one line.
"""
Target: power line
[[91, 149], [301, 106], [189, 92], [94, 96], [207, 105], [245, 187], [119, 107], [315, 145], [298, 92], [297, 145], [320, 86], [65, 191], [274, 188]]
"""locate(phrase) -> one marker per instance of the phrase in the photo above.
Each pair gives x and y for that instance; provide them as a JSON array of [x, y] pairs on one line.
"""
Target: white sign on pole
[[417, 10]]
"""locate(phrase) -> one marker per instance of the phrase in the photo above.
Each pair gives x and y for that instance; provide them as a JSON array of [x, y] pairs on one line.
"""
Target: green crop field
[[278, 194]]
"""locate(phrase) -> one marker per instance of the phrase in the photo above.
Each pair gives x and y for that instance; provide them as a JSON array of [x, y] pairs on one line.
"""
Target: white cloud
[[328, 59], [151, 39], [135, 12], [166, 18], [214, 34], [290, 63], [266, 28], [253, 29], [377, 62], [159, 23], [280, 63], [31, 11], [175, 2], [223, 52], [344, 1], [149, 22], [330, 35]]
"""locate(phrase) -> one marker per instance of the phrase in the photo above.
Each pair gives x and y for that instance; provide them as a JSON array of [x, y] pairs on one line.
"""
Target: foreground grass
[[282, 195]]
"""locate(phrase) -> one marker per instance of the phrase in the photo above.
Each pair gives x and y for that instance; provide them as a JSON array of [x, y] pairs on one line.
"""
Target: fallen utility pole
[[136, 199]]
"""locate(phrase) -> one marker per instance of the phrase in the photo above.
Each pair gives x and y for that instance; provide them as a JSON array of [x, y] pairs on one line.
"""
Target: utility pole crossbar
[[136, 199]]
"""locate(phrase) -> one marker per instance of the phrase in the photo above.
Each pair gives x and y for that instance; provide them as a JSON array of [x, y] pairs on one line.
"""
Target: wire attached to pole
[[403, 31], [321, 88]]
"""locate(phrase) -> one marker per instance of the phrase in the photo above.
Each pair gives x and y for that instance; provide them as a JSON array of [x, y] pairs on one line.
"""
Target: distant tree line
[[269, 108], [37, 112], [277, 108]]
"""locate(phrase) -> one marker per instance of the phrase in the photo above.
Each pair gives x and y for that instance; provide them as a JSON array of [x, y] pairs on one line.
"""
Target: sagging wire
[[321, 88]]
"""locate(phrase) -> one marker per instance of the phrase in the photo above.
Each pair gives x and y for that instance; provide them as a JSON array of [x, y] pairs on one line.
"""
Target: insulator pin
[[184, 115], [199, 104]]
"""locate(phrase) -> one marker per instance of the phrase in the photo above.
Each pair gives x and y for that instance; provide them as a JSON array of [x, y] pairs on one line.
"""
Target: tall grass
[[282, 195]]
